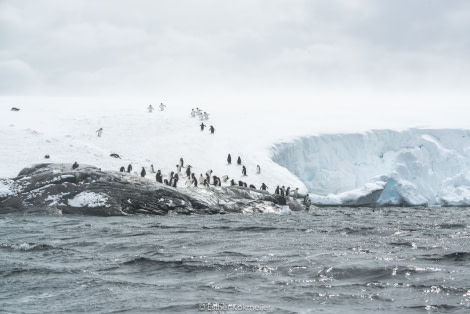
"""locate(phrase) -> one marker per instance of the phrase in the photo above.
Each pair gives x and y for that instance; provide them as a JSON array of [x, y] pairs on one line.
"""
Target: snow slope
[[334, 156]]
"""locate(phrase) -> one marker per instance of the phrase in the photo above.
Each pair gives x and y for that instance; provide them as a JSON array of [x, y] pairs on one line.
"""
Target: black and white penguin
[[202, 126], [239, 160], [288, 191], [75, 165], [264, 187], [225, 178], [114, 155], [240, 183], [277, 191], [232, 182], [211, 129], [129, 168], [193, 179], [122, 169], [152, 170], [159, 176], [201, 179], [143, 172], [229, 159], [188, 171], [244, 171], [258, 169], [181, 162], [252, 187]]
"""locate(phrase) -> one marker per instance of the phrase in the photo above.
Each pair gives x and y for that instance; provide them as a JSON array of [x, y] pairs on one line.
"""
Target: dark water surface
[[332, 260]]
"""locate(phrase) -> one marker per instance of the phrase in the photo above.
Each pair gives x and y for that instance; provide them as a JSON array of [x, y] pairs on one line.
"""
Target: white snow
[[89, 199], [333, 152]]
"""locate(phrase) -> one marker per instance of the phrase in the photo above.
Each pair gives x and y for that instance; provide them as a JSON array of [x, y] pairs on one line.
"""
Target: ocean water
[[329, 260]]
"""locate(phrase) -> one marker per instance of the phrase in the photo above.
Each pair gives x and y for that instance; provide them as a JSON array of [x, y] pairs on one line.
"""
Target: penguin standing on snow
[[239, 160], [162, 106], [188, 171], [193, 179], [181, 162], [211, 129], [258, 169], [75, 165], [143, 172], [244, 171], [129, 168], [122, 169], [264, 187], [277, 190], [229, 159], [202, 126]]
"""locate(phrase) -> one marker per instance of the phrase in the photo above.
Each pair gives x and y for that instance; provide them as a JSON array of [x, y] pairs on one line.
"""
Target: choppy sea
[[329, 260]]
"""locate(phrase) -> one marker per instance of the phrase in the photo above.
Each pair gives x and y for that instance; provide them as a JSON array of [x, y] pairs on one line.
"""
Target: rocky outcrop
[[88, 190]]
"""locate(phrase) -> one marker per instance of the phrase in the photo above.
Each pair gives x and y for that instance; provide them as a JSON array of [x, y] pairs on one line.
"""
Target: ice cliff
[[411, 167]]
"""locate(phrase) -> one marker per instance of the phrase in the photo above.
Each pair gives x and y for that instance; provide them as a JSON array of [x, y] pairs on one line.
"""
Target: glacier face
[[410, 167]]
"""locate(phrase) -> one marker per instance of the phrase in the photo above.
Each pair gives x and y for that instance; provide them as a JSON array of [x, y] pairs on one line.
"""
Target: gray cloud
[[51, 46]]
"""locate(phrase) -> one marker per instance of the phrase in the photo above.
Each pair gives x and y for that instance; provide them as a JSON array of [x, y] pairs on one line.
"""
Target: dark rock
[[88, 190]]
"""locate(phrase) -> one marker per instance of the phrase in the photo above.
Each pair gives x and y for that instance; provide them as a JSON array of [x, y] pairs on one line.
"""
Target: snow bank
[[407, 166]]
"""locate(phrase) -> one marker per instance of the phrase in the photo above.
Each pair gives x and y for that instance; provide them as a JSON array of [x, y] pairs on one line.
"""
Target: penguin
[[122, 169], [143, 172], [193, 179], [159, 176], [211, 129], [240, 183], [232, 182], [209, 172], [150, 108], [229, 159], [193, 113], [277, 190], [244, 171], [252, 187], [264, 187], [188, 171], [75, 165], [181, 162], [202, 126], [99, 132], [174, 181], [239, 160], [129, 168], [225, 178], [152, 170], [178, 168], [201, 179], [307, 202], [283, 191], [114, 155], [162, 106], [288, 191], [296, 193], [47, 156], [258, 169], [166, 182], [15, 109]]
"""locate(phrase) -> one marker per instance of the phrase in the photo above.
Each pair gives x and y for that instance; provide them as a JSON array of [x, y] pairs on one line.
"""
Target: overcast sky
[[249, 47]]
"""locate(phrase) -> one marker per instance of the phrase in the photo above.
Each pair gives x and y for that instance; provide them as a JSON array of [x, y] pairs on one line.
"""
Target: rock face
[[87, 190]]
